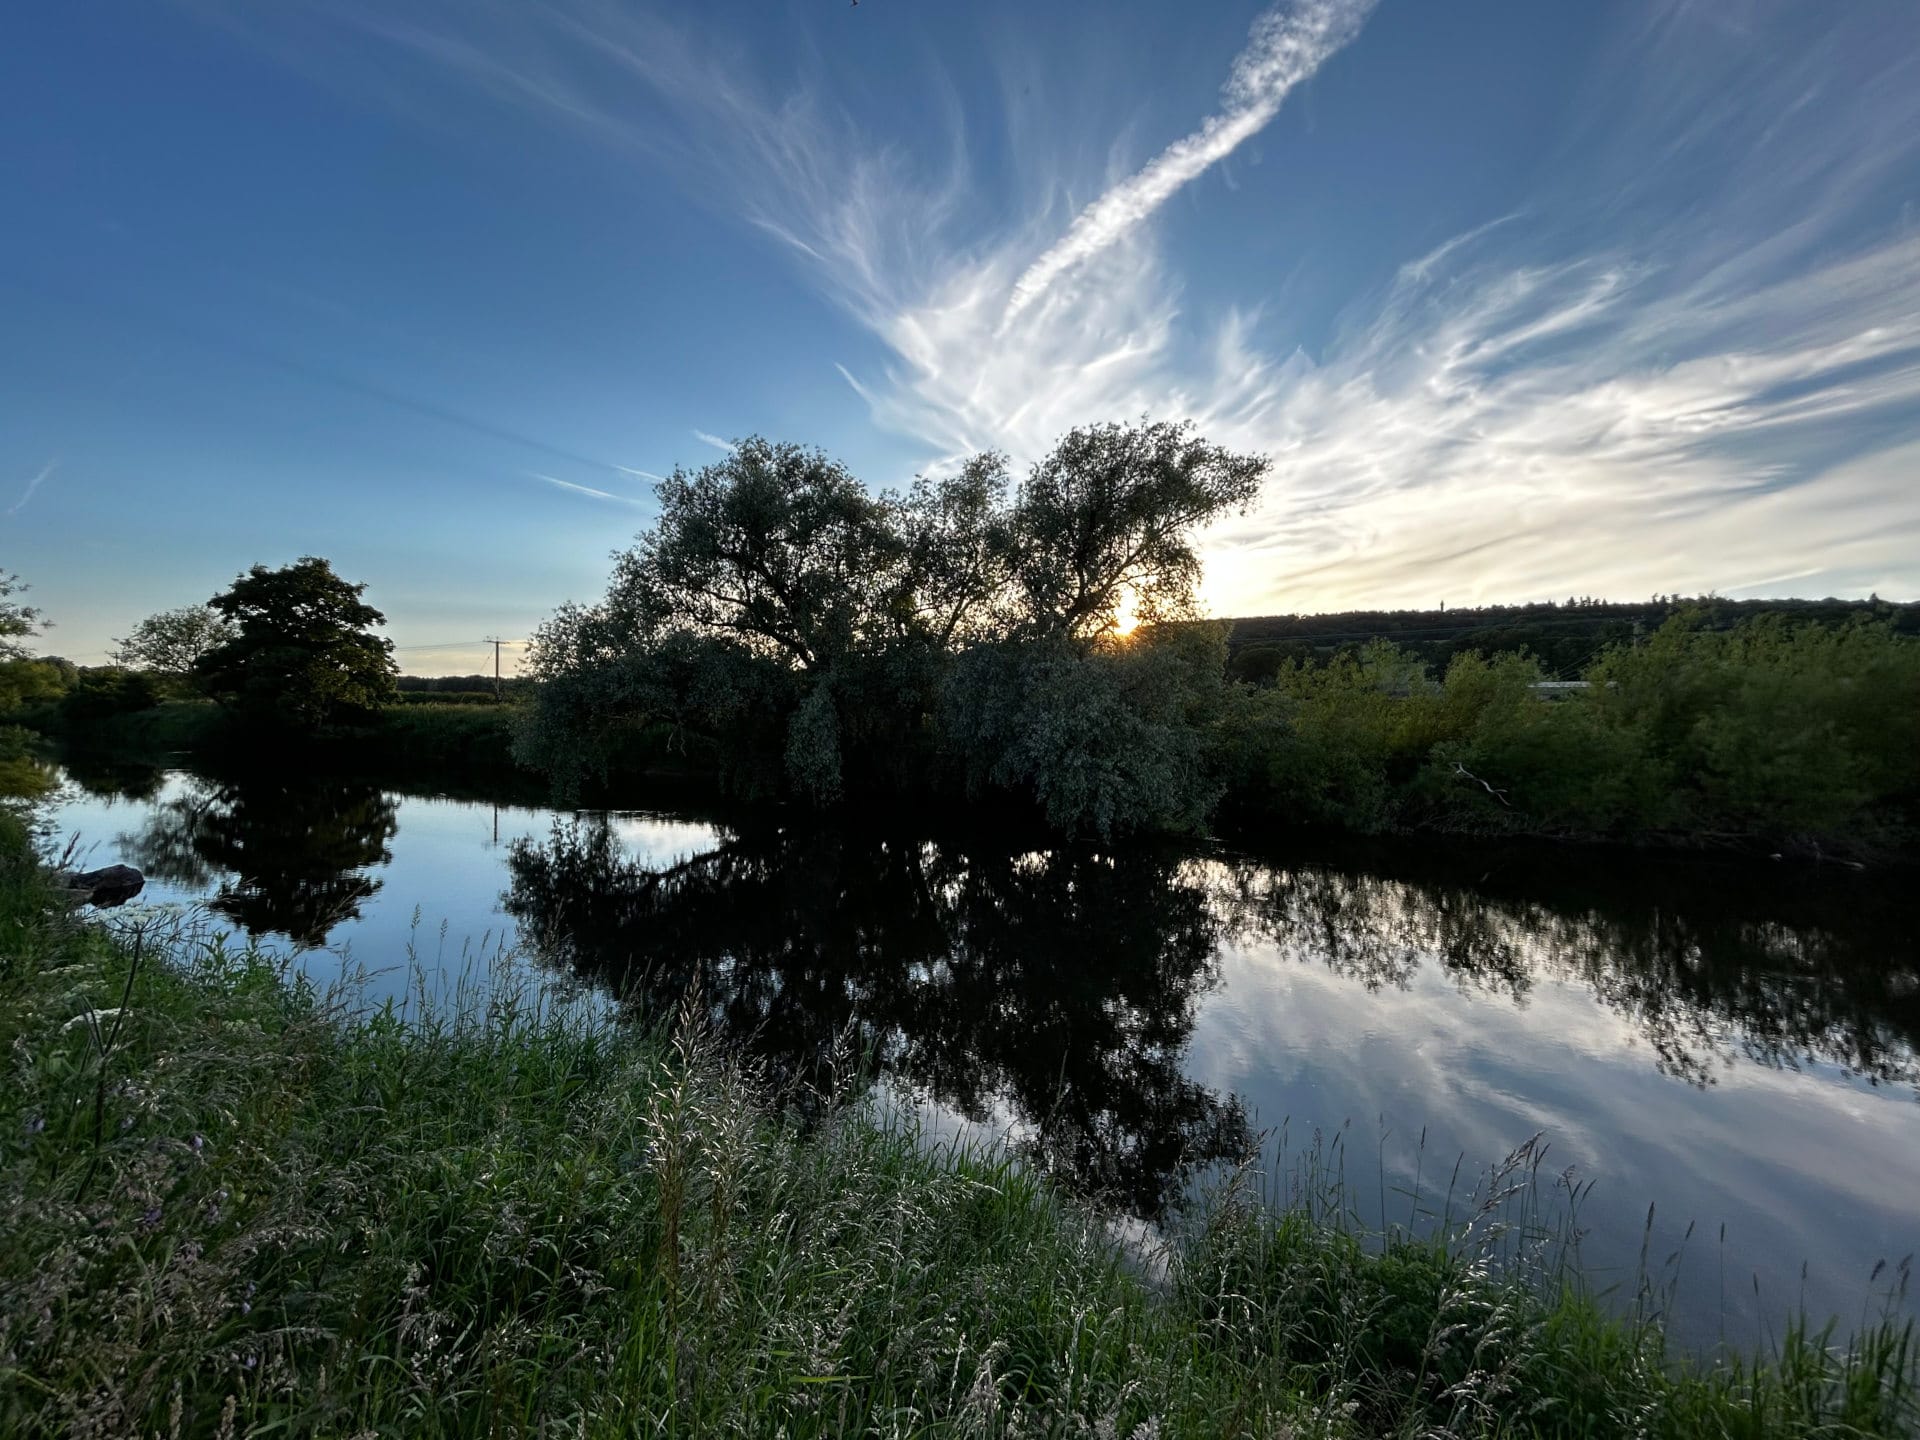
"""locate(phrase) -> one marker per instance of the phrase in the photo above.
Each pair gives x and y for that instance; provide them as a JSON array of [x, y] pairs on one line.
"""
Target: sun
[[1126, 614]]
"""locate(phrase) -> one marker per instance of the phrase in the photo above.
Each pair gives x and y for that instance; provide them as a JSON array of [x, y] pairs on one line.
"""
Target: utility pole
[[496, 643]]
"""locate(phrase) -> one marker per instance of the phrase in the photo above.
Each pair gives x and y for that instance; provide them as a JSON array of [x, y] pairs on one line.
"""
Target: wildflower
[[151, 1218], [198, 1143], [35, 1124]]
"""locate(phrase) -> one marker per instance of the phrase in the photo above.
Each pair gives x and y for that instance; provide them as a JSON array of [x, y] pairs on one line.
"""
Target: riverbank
[[233, 1203], [1764, 741]]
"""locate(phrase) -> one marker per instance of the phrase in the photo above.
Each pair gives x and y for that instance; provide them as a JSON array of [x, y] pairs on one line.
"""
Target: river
[[1730, 1050]]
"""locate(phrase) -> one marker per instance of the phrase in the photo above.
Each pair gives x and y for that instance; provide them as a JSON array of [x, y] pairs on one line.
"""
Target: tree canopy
[[17, 619], [301, 651], [807, 634], [172, 642]]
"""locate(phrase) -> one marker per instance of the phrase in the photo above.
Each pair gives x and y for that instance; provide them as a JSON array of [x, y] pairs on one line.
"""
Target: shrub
[[107, 691]]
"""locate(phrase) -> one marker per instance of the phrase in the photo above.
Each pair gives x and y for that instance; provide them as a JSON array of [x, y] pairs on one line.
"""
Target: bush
[[33, 682], [1107, 742], [106, 692], [1771, 730]]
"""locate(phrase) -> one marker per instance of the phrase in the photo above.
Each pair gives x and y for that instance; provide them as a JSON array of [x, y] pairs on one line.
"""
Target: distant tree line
[[461, 689], [1563, 636]]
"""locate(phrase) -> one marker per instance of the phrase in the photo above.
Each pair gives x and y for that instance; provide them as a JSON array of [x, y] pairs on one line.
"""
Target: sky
[[1522, 300]]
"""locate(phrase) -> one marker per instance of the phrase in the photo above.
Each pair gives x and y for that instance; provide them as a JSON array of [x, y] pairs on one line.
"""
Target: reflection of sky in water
[[439, 893], [1361, 1025], [1800, 1168]]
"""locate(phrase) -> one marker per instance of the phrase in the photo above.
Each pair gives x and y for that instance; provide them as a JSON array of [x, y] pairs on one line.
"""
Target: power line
[[457, 644]]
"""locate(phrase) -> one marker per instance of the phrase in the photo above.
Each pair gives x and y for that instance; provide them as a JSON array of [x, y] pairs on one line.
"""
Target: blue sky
[[1523, 299]]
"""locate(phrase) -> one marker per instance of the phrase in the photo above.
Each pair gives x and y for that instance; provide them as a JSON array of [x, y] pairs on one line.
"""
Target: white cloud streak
[[587, 490], [33, 485], [1288, 43], [706, 438], [1616, 389]]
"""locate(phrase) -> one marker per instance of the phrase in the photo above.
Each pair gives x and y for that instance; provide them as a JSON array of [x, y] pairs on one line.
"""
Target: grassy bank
[[229, 1206]]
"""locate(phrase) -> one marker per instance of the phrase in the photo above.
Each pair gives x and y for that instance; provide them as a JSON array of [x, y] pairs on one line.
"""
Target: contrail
[[32, 485], [584, 489], [1286, 45]]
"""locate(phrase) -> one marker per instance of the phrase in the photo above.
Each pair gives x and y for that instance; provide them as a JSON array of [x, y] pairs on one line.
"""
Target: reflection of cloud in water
[[1812, 1153], [659, 841]]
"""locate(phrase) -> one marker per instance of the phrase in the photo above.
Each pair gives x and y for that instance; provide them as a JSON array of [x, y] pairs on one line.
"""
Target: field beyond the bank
[[233, 1208]]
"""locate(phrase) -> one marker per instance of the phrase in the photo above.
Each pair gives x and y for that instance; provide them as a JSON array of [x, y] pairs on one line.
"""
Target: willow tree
[[804, 633], [1108, 520]]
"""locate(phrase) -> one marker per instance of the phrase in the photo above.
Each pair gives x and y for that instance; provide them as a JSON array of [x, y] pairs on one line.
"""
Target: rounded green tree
[[303, 654]]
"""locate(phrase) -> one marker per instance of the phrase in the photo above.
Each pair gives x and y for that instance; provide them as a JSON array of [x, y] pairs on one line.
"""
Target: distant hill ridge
[[1565, 635]]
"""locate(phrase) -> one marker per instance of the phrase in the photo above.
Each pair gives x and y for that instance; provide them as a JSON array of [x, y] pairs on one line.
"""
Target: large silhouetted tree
[[805, 634], [303, 652]]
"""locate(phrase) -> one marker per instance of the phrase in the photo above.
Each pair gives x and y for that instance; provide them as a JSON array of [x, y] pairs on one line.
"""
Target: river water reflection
[[1736, 1047]]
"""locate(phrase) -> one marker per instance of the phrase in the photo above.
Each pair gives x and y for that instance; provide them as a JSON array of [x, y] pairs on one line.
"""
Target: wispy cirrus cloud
[[708, 438], [1691, 364]]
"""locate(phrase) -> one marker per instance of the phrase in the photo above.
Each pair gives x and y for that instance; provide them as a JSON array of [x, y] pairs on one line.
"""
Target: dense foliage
[[810, 637], [173, 642], [301, 653], [17, 619], [1772, 729], [25, 682]]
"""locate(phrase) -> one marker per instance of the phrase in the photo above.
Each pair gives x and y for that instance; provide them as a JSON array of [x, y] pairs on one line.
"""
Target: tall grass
[[230, 1205]]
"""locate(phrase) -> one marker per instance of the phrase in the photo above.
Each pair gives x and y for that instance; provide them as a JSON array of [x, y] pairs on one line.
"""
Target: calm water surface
[[1734, 1046]]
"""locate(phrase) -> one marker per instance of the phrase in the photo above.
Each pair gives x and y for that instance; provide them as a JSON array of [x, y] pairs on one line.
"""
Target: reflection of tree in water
[[1709, 963], [290, 858], [1051, 989], [113, 779]]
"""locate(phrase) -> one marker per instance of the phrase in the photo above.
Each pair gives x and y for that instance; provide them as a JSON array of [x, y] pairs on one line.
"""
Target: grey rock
[[113, 885]]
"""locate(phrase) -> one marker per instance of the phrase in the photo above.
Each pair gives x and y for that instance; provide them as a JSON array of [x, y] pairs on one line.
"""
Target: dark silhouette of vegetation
[[461, 689], [280, 856], [18, 619], [807, 637], [958, 969], [1035, 647], [105, 691], [302, 655], [172, 643]]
